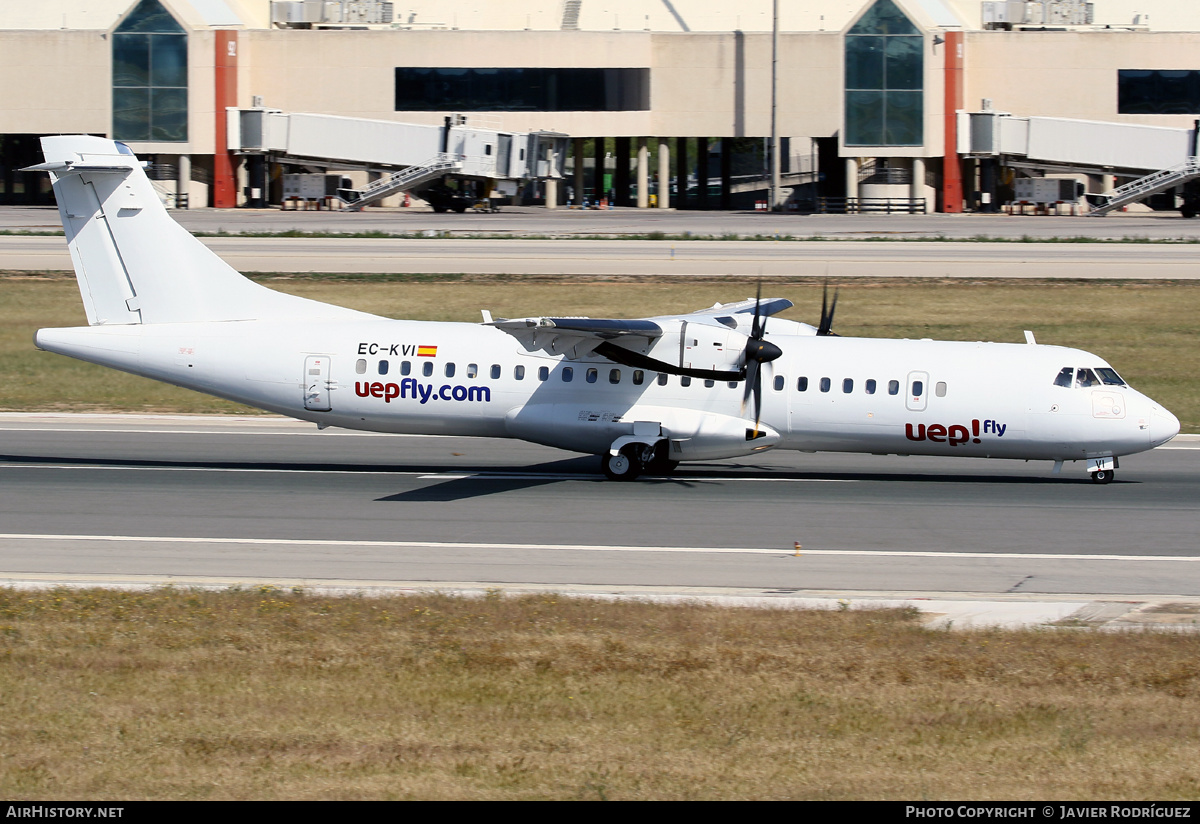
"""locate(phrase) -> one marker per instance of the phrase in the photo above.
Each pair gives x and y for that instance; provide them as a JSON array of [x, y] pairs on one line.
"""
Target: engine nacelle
[[692, 435], [700, 346]]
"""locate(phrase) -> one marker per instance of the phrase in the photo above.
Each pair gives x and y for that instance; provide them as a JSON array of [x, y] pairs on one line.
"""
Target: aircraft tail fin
[[134, 263]]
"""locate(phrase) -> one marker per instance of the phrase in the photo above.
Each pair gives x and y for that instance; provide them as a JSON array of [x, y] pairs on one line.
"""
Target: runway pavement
[[124, 500], [519, 221], [745, 259]]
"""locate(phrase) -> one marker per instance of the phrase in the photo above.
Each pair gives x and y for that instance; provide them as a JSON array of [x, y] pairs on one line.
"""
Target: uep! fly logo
[[955, 433]]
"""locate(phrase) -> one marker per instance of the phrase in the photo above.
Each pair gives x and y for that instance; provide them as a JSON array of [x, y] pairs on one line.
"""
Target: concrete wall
[[1070, 74], [53, 82]]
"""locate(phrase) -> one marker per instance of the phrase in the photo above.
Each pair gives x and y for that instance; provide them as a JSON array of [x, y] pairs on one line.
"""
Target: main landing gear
[[1102, 476], [635, 458]]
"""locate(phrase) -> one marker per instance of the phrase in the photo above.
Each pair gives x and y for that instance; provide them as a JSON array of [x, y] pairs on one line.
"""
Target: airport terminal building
[[904, 105]]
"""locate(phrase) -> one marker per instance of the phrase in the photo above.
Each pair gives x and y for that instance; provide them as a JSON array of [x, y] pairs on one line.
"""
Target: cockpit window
[[1085, 378], [1110, 377], [1064, 377]]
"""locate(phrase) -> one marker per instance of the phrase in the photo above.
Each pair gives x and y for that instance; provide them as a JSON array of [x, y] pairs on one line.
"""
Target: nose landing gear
[[1102, 469]]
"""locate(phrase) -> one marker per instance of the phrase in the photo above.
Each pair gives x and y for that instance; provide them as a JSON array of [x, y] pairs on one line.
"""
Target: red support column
[[225, 73], [952, 183]]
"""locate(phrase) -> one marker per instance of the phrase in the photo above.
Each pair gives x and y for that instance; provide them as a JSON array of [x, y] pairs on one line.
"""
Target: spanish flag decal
[[426, 351]]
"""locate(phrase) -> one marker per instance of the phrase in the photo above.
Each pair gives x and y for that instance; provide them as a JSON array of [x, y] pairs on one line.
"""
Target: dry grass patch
[[1147, 330], [266, 694]]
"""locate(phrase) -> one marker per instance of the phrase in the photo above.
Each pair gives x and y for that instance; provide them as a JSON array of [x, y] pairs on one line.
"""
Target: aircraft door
[[918, 391], [316, 383]]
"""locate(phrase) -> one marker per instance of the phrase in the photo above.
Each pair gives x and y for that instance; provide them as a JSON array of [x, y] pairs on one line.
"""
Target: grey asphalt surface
[[513, 220], [131, 501], [217, 500], [743, 259], [447, 244]]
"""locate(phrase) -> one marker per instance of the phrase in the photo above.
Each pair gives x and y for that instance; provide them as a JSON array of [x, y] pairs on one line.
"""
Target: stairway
[[570, 18], [402, 181], [1144, 187]]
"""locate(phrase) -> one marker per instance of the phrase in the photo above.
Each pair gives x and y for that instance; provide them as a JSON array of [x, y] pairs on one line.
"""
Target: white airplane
[[643, 394]]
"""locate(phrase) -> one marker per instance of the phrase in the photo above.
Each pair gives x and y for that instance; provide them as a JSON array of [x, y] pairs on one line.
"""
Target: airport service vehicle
[[645, 394]]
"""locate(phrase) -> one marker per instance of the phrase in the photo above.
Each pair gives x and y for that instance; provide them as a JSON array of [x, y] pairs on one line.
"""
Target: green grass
[[266, 694], [1148, 330]]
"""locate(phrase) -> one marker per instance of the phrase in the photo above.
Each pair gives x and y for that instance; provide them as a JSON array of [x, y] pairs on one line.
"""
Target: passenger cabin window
[[939, 389], [519, 372], [638, 377], [685, 381], [449, 370], [870, 386], [405, 368], [825, 384], [591, 375], [918, 388], [568, 374], [801, 384], [427, 369], [709, 383], [1085, 378], [543, 372], [733, 385], [662, 378], [495, 371], [893, 387], [360, 366], [614, 375], [847, 385], [1064, 377], [383, 367], [779, 382], [472, 370]]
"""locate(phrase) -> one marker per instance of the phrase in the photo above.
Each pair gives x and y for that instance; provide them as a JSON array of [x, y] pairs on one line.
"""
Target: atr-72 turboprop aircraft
[[643, 394]]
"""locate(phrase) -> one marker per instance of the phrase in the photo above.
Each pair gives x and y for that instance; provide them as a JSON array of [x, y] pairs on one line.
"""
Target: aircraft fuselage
[[919, 397]]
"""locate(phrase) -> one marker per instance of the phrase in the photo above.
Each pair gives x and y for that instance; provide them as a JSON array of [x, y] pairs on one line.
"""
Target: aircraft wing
[[578, 337], [581, 337], [719, 311]]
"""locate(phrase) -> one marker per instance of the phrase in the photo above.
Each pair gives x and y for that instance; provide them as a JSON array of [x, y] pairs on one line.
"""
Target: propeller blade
[[757, 399], [752, 370], [758, 327], [827, 310]]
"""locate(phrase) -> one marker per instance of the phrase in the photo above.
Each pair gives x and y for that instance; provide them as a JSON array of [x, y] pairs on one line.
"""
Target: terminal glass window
[[150, 66], [541, 89], [1161, 91], [885, 66]]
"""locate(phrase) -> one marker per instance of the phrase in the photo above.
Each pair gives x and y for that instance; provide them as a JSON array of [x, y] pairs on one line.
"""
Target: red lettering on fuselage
[[953, 434]]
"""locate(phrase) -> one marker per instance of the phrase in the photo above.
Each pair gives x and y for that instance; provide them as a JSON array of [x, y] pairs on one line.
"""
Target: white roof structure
[[593, 15]]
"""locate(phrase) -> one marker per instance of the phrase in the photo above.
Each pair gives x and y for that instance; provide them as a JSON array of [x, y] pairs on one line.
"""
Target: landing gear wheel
[[620, 467], [1102, 476]]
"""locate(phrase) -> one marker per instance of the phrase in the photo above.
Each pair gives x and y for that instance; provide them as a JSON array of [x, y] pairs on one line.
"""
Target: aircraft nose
[[1163, 426]]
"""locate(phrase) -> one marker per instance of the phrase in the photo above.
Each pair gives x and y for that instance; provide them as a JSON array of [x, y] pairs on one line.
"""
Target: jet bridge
[[1159, 158], [410, 157]]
